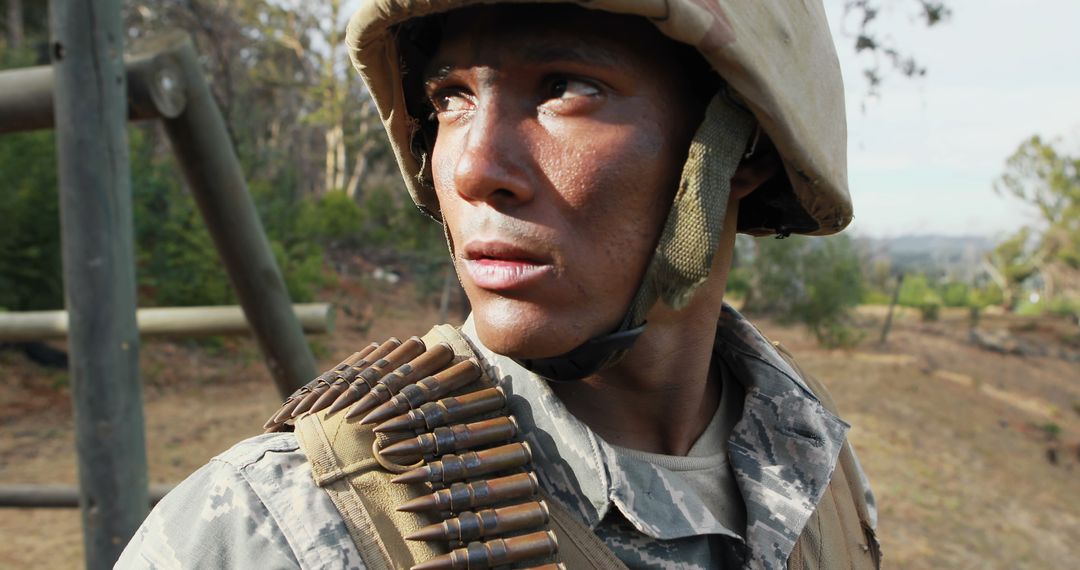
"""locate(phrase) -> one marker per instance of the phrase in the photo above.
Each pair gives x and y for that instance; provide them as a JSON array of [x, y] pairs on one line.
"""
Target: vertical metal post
[[892, 307], [87, 50]]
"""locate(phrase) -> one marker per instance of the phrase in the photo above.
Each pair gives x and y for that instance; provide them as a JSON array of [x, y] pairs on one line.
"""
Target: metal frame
[[88, 95]]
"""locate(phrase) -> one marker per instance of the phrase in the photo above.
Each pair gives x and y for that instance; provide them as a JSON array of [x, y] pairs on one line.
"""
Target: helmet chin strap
[[587, 359], [598, 352], [686, 247]]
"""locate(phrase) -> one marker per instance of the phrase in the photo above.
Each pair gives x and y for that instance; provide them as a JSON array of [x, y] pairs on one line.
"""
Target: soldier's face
[[561, 137]]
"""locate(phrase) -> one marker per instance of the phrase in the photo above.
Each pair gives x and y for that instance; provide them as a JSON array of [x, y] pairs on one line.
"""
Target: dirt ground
[[974, 455]]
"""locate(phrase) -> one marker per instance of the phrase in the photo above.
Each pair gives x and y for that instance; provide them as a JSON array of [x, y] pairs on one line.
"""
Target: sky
[[923, 157]]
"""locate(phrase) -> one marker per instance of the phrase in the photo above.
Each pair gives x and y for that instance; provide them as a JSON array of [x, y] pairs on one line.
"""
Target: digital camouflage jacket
[[256, 506]]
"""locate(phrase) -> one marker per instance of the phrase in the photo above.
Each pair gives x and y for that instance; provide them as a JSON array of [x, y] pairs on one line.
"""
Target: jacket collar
[[782, 451]]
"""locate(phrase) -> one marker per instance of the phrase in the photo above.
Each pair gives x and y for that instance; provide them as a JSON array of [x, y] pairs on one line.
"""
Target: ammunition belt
[[441, 425]]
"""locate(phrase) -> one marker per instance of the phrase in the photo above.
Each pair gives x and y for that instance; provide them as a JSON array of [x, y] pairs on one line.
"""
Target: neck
[[664, 393]]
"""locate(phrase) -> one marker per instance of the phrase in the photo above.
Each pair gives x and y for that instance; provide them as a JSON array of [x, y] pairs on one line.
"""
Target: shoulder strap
[[342, 464]]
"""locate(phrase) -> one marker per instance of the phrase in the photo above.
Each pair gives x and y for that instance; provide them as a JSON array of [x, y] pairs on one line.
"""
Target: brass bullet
[[329, 395], [364, 352], [556, 566], [472, 525], [400, 355], [276, 428], [339, 377], [469, 464], [426, 390], [445, 411], [430, 362], [495, 552], [368, 378], [352, 392], [285, 412], [449, 439], [460, 497], [307, 401]]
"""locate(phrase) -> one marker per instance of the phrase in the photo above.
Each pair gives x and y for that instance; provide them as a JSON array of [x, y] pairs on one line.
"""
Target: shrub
[[812, 281], [30, 263], [332, 218], [930, 311], [956, 294]]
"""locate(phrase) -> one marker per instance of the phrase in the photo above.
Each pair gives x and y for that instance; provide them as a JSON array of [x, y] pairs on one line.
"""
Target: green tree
[[812, 281], [1049, 181]]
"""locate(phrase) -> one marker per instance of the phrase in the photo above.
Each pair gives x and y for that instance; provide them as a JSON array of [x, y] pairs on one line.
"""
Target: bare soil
[[974, 456]]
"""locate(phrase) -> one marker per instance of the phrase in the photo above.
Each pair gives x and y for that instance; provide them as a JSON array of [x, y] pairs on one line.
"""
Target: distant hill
[[953, 256]]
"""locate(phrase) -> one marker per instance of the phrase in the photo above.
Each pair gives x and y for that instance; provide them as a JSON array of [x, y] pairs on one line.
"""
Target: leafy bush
[[176, 260], [876, 297], [392, 221], [930, 311], [987, 296], [917, 292], [30, 263], [332, 218], [304, 269], [813, 281], [1064, 307], [956, 294]]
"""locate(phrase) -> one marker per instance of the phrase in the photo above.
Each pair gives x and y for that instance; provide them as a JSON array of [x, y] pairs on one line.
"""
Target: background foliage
[[324, 181], [286, 91]]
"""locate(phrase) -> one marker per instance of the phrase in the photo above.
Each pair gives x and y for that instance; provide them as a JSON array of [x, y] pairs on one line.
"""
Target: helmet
[[776, 56], [780, 71]]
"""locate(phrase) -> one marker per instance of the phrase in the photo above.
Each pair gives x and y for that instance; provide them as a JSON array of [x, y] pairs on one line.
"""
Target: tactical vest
[[412, 442]]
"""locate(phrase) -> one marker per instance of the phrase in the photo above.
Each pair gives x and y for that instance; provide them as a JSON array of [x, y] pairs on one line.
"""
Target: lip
[[503, 266]]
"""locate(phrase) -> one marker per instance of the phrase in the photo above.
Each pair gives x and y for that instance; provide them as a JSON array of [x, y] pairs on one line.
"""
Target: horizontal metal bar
[[155, 86], [314, 318], [56, 496]]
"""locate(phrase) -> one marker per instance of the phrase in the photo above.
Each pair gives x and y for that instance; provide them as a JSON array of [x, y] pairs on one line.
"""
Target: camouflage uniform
[[257, 506]]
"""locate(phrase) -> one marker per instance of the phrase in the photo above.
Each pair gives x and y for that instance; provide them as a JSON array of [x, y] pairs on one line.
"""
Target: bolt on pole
[[90, 107]]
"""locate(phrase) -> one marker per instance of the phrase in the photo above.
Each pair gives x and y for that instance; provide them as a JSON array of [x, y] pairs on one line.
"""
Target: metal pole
[[26, 99], [213, 172], [155, 90], [56, 496], [892, 307], [99, 271], [165, 81], [24, 326]]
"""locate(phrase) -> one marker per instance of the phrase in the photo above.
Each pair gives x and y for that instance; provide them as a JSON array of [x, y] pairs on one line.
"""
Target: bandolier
[[412, 441]]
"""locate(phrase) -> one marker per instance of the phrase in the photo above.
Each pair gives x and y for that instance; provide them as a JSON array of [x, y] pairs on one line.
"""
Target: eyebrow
[[541, 52]]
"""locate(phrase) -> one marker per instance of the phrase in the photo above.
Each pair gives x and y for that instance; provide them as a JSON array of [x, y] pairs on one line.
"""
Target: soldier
[[591, 168]]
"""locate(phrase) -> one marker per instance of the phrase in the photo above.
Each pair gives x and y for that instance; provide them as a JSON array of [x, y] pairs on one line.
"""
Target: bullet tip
[[430, 532], [441, 562], [382, 413], [417, 505], [417, 475], [367, 403], [400, 448]]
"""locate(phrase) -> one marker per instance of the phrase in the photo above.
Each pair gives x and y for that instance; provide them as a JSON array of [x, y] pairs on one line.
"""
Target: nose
[[494, 160]]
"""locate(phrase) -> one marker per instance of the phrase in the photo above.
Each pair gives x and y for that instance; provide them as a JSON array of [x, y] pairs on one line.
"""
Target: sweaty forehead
[[496, 36]]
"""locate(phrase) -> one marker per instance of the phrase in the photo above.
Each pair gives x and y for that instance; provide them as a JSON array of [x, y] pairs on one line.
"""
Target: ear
[[755, 170]]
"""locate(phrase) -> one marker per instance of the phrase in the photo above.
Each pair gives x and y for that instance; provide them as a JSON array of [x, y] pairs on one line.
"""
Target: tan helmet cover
[[777, 56]]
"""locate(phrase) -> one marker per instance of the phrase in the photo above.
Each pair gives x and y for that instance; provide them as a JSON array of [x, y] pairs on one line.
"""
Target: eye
[[450, 101], [569, 88]]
